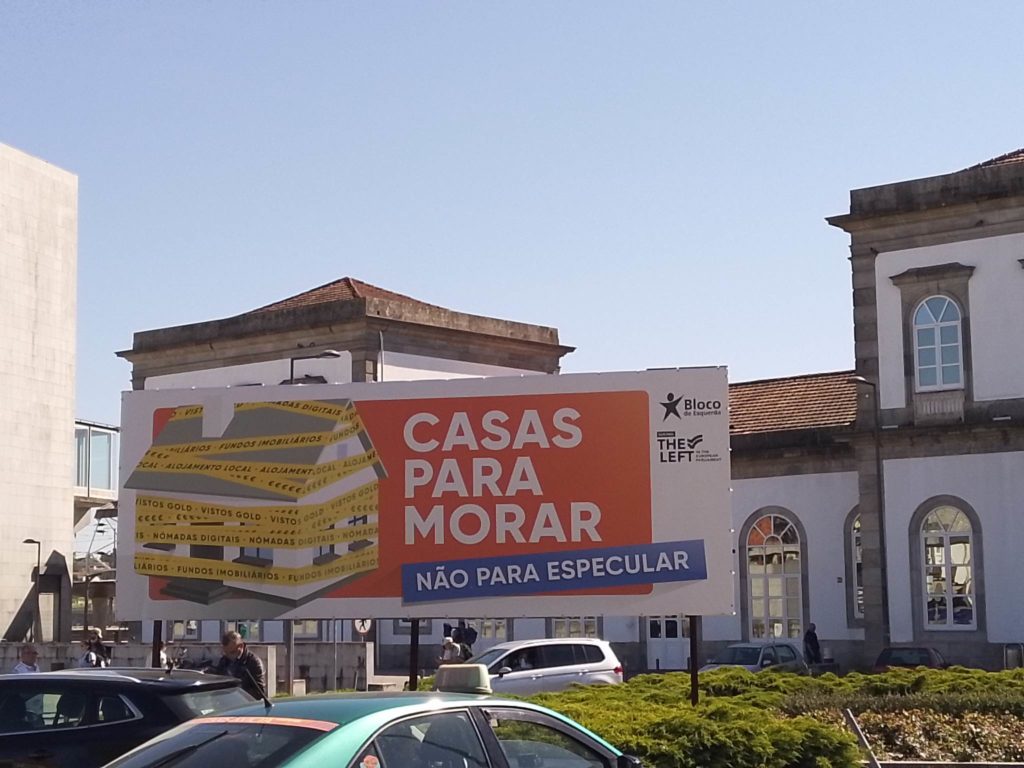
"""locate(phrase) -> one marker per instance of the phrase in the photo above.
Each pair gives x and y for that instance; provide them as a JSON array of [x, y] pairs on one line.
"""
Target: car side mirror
[[504, 671], [628, 761]]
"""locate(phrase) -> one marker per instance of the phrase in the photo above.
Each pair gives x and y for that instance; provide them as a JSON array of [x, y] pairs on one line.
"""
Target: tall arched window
[[857, 569], [938, 358], [774, 578], [947, 543]]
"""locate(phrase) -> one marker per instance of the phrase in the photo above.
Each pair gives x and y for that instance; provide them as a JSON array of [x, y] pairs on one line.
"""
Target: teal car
[[381, 730]]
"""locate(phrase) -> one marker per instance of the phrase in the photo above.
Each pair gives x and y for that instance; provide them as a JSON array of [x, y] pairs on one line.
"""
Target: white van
[[532, 666]]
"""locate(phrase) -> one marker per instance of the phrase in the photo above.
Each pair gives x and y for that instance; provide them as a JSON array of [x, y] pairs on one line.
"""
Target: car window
[[199, 744], [538, 745], [32, 709], [768, 655], [589, 654], [785, 653], [904, 657], [490, 656], [523, 659], [215, 700], [113, 709], [442, 739], [738, 654], [560, 655]]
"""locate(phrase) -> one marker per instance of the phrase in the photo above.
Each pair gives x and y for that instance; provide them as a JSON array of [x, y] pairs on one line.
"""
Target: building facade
[[38, 262], [879, 503]]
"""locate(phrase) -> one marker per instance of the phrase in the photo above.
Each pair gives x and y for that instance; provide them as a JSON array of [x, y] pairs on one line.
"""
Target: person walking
[[242, 664], [451, 653], [29, 661], [94, 655], [812, 648]]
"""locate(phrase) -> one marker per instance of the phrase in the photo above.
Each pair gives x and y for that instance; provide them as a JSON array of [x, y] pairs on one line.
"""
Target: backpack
[[469, 636]]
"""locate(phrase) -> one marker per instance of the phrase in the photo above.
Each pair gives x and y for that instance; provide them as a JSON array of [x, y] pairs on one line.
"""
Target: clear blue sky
[[651, 178]]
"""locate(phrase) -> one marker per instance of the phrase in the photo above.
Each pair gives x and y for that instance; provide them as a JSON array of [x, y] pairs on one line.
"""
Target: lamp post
[[327, 353], [36, 621], [880, 490]]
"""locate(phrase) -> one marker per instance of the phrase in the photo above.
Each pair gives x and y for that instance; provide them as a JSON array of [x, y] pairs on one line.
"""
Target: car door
[[562, 664], [787, 660], [42, 724], [449, 739], [519, 737]]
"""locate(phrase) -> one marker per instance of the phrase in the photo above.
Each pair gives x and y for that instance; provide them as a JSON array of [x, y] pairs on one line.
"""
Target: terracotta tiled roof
[[1010, 158], [814, 401], [345, 289]]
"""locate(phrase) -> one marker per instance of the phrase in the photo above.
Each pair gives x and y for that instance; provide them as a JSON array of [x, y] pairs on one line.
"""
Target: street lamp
[[327, 353], [880, 489], [36, 621]]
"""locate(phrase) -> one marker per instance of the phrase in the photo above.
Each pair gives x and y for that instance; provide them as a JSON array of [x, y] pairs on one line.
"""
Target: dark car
[[909, 658], [87, 717]]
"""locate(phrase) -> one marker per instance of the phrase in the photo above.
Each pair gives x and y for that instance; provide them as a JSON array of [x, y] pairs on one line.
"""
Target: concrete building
[[38, 261]]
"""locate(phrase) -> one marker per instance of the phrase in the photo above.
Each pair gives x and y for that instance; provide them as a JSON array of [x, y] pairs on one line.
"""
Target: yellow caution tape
[[186, 412], [259, 474], [170, 566], [306, 407], [158, 510], [250, 536], [275, 442]]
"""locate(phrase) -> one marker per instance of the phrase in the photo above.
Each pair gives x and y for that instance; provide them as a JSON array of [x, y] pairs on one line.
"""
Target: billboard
[[526, 496]]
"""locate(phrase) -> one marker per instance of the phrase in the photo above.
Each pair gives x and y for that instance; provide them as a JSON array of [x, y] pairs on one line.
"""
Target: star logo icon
[[671, 406]]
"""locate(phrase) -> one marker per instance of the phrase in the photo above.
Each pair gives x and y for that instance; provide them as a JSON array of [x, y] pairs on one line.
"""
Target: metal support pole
[[414, 654], [334, 633], [694, 622], [158, 635], [289, 637]]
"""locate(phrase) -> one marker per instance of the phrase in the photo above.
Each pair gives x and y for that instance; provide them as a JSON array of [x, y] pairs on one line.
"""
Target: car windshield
[[199, 744], [739, 654], [489, 657], [215, 700]]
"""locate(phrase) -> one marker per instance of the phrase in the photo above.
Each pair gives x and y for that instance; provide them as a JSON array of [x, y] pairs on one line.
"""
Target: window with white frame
[[947, 542], [774, 578], [574, 626], [938, 349], [489, 629], [857, 561], [249, 630], [185, 630]]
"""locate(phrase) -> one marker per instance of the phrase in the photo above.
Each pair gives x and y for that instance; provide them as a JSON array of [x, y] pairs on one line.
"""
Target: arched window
[[947, 542], [857, 569], [774, 578], [938, 358]]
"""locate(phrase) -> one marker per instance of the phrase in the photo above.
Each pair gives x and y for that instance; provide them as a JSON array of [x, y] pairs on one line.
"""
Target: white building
[[38, 262]]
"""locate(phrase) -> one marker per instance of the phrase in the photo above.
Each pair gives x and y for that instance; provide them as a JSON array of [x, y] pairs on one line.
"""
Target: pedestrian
[[451, 653], [812, 649], [29, 660], [163, 654], [242, 664], [94, 655], [96, 638]]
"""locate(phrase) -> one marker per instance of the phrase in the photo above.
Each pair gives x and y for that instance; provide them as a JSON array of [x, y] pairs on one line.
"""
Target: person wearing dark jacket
[[242, 664], [812, 649]]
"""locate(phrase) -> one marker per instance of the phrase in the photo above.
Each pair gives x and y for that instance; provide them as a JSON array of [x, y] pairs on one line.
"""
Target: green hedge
[[777, 720]]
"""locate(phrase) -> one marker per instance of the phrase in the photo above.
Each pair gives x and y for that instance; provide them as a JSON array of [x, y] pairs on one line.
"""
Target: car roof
[[761, 645], [510, 644], [344, 708], [157, 679]]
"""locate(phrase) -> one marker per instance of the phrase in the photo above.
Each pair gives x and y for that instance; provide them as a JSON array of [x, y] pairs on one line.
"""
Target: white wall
[[996, 295], [38, 262], [337, 370], [821, 503], [993, 484], [401, 367]]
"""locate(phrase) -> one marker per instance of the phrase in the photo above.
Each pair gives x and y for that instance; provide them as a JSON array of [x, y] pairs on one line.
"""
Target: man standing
[[29, 661], [812, 650], [242, 664]]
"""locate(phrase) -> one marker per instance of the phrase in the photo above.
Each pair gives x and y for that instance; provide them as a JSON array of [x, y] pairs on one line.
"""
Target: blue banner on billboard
[[522, 575]]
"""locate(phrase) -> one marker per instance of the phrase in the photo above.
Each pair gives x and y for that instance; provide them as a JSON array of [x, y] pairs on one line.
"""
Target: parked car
[[86, 717], [531, 666], [909, 657], [390, 729], [779, 655]]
